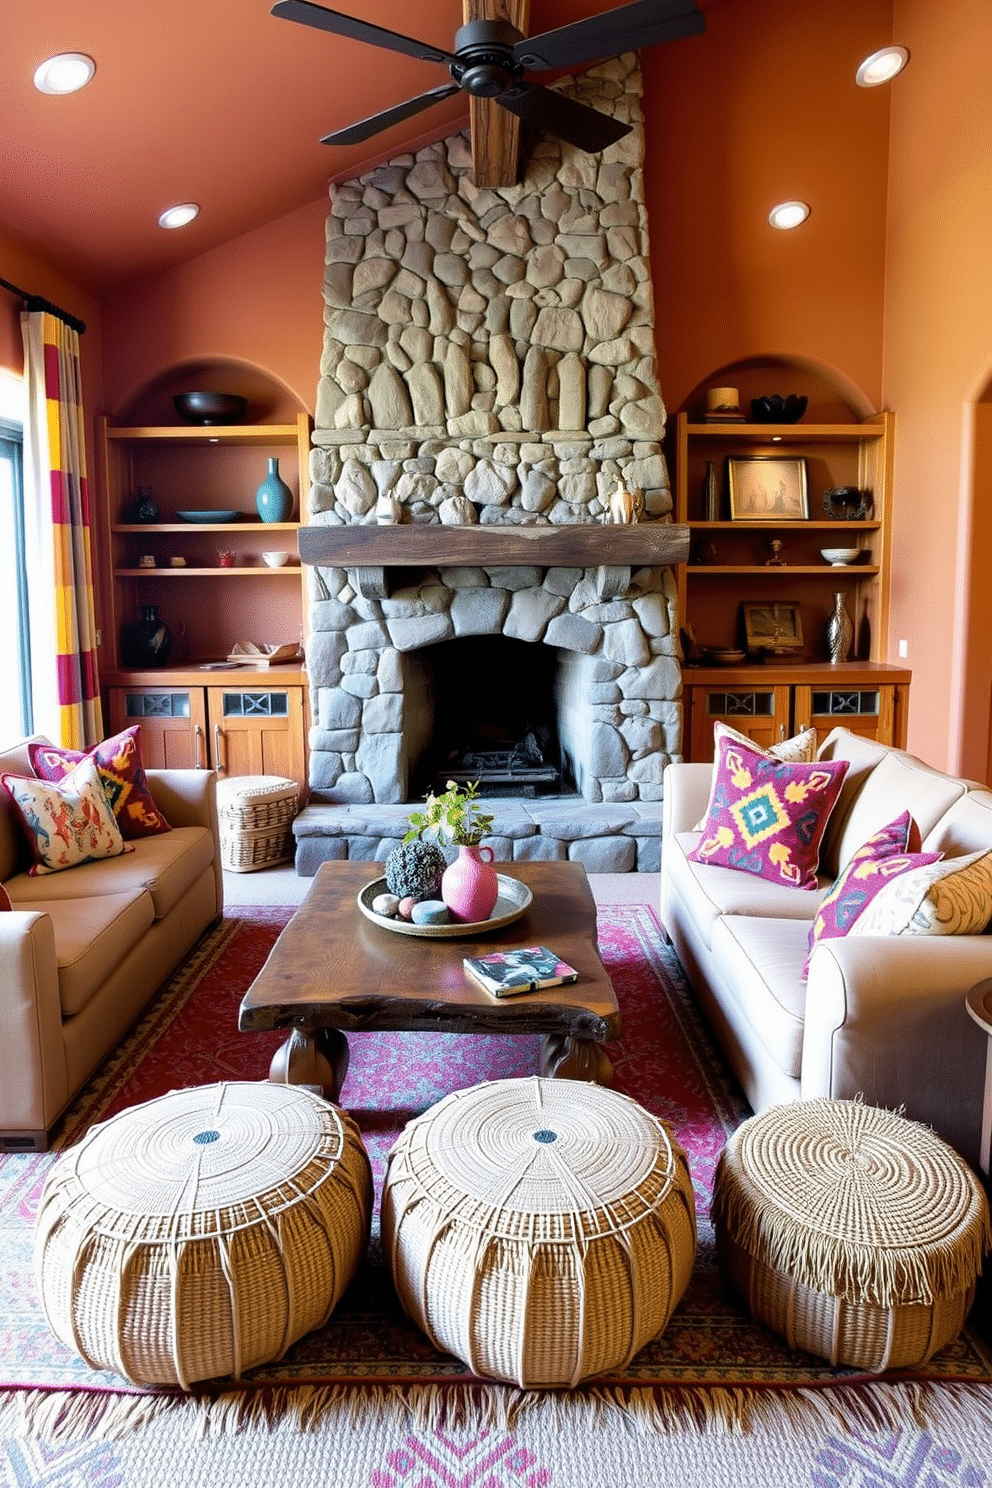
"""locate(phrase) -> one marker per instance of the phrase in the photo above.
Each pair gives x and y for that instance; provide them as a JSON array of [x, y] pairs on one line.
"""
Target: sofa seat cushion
[[761, 962], [708, 892], [93, 934], [165, 866]]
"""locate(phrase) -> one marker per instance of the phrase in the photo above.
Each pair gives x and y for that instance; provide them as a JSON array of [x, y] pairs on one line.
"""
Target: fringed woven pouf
[[540, 1230], [853, 1233], [200, 1234]]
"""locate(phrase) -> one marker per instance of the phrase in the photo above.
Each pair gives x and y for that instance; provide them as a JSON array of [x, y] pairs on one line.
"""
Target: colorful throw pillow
[[4, 899], [67, 822], [876, 863], [950, 897], [801, 748], [122, 773], [767, 817]]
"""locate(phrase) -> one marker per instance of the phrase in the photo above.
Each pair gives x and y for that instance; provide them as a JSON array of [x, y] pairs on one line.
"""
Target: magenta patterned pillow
[[122, 773], [890, 852], [767, 816]]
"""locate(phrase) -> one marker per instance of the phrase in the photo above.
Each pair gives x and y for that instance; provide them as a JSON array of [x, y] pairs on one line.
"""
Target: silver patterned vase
[[840, 631]]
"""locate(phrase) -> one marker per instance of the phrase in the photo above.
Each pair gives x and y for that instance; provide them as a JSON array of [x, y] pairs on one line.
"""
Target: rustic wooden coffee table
[[332, 969]]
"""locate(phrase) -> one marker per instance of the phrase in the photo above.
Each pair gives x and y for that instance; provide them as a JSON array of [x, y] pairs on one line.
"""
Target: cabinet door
[[257, 731], [173, 724], [864, 710], [762, 713]]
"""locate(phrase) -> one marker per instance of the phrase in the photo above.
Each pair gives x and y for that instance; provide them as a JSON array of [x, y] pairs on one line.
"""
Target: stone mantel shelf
[[586, 545]]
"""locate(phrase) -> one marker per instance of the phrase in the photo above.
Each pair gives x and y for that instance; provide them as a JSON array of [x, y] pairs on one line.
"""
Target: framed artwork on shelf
[[768, 488], [772, 628]]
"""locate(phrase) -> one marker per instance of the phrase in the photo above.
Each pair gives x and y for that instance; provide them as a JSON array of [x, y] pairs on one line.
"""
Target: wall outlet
[[903, 650]]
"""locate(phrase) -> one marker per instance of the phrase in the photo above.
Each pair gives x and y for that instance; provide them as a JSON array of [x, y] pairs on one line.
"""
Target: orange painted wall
[[938, 362]]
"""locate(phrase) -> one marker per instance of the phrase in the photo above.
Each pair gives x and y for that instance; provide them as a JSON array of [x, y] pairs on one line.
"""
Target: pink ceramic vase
[[469, 886]]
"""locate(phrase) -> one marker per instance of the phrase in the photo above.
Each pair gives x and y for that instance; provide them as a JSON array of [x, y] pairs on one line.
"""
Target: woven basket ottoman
[[853, 1233], [256, 814], [540, 1230], [200, 1234]]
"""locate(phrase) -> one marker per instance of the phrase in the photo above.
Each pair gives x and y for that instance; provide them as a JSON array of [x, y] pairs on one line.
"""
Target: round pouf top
[[200, 1234], [540, 1230], [854, 1233]]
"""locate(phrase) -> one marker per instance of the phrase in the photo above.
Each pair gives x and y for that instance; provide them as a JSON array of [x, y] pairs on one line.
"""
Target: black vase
[[146, 642]]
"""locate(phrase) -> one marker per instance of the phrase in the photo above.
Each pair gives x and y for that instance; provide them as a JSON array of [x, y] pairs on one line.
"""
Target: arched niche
[[833, 398], [270, 401]]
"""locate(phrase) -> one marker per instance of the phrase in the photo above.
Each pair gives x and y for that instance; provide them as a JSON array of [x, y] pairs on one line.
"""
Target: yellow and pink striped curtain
[[64, 675]]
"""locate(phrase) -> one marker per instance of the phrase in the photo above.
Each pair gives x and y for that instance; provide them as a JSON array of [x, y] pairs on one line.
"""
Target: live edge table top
[[332, 968]]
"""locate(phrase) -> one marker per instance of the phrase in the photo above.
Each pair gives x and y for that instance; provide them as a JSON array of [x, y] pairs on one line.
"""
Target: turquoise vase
[[273, 498]]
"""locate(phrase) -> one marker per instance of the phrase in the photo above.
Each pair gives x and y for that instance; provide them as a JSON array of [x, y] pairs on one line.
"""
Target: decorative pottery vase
[[840, 631], [711, 494], [145, 509], [146, 642], [273, 498], [469, 885]]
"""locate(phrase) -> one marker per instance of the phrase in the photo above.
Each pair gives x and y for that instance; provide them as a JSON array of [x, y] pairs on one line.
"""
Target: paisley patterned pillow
[[122, 773], [69, 822], [876, 863], [766, 816], [952, 897]]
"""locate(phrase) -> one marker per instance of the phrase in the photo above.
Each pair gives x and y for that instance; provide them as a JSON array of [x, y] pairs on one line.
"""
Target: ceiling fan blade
[[575, 123], [355, 133], [626, 29], [309, 14]]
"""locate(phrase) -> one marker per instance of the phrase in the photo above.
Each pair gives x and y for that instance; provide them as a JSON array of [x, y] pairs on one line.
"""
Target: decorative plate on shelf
[[514, 898], [211, 516]]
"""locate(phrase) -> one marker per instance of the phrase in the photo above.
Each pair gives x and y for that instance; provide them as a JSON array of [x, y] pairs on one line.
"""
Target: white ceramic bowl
[[837, 556], [275, 560]]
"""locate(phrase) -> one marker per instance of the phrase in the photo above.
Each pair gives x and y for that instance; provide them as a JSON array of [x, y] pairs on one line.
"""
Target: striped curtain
[[64, 675]]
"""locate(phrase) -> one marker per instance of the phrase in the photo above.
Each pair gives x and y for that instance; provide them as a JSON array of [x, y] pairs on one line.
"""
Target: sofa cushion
[[767, 817], [760, 962], [165, 866], [14, 854], [68, 822], [950, 897], [965, 828], [708, 893], [119, 761], [92, 937]]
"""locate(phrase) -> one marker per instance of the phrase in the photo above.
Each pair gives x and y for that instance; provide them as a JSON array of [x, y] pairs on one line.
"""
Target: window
[[15, 659]]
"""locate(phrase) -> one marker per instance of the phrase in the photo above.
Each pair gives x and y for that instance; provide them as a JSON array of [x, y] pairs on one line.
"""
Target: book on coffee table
[[508, 973]]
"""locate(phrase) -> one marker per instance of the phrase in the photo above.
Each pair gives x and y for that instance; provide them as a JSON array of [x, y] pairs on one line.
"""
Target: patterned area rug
[[711, 1364]]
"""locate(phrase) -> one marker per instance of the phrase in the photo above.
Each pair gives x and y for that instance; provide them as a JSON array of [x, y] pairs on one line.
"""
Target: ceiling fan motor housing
[[485, 65]]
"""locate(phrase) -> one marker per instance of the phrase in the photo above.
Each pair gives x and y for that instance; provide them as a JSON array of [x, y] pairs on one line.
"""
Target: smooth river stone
[[431, 912], [385, 904]]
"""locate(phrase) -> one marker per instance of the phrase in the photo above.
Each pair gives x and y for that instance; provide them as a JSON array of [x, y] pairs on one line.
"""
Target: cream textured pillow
[[952, 897], [799, 750], [67, 822]]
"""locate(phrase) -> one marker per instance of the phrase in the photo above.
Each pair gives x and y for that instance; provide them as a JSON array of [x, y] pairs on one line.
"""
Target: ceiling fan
[[490, 58]]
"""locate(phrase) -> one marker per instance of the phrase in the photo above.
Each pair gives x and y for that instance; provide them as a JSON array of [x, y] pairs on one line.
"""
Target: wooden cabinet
[[239, 723]]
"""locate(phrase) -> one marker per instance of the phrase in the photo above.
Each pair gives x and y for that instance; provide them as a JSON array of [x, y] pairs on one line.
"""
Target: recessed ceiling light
[[788, 214], [179, 216], [66, 73], [881, 66]]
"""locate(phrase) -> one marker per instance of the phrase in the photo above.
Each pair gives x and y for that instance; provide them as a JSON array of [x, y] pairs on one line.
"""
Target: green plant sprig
[[454, 817]]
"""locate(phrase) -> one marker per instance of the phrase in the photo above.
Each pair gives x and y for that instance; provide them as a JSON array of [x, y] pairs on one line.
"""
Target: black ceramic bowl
[[210, 408], [774, 409]]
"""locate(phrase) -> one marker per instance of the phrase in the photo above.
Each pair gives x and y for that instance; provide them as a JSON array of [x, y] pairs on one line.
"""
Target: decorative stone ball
[[414, 869], [405, 907], [386, 905], [430, 912]]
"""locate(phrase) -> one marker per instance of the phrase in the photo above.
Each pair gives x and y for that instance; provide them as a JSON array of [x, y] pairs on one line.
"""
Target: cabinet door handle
[[218, 762], [198, 751]]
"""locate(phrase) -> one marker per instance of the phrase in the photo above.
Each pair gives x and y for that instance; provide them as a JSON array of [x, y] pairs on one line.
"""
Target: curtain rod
[[37, 302]]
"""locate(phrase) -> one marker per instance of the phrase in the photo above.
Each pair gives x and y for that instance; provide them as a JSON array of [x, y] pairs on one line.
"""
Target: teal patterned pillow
[[766, 816]]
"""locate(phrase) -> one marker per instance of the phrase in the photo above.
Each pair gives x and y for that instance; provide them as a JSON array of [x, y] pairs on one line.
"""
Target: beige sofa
[[881, 1017], [82, 951]]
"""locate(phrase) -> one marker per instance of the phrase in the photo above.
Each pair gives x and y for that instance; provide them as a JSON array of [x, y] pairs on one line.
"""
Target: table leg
[[568, 1058], [315, 1057]]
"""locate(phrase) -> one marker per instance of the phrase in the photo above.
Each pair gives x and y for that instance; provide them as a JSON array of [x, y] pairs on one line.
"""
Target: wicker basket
[[256, 817], [540, 1230], [200, 1234], [853, 1233]]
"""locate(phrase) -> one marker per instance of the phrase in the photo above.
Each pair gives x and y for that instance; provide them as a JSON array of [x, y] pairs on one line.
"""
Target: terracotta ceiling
[[212, 101]]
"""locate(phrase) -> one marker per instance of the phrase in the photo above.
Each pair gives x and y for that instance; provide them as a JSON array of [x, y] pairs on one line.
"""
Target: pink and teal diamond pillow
[[768, 816], [892, 851]]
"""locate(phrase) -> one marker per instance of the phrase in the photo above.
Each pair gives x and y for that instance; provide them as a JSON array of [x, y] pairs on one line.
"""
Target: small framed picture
[[769, 488], [772, 627]]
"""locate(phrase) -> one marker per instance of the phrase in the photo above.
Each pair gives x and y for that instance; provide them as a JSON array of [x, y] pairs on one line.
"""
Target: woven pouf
[[540, 1230], [255, 814], [200, 1234], [853, 1233]]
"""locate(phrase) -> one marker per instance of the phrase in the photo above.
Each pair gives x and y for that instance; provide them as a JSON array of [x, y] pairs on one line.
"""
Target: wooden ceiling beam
[[495, 131]]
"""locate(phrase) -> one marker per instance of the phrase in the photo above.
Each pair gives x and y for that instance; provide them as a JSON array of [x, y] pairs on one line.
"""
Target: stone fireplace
[[487, 383]]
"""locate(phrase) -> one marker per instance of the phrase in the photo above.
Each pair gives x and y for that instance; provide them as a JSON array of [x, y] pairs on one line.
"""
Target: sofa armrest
[[885, 1019], [34, 1086], [686, 795], [188, 798]]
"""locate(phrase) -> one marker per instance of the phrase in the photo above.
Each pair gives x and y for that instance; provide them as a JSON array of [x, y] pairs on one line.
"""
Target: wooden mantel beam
[[584, 545], [495, 131]]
